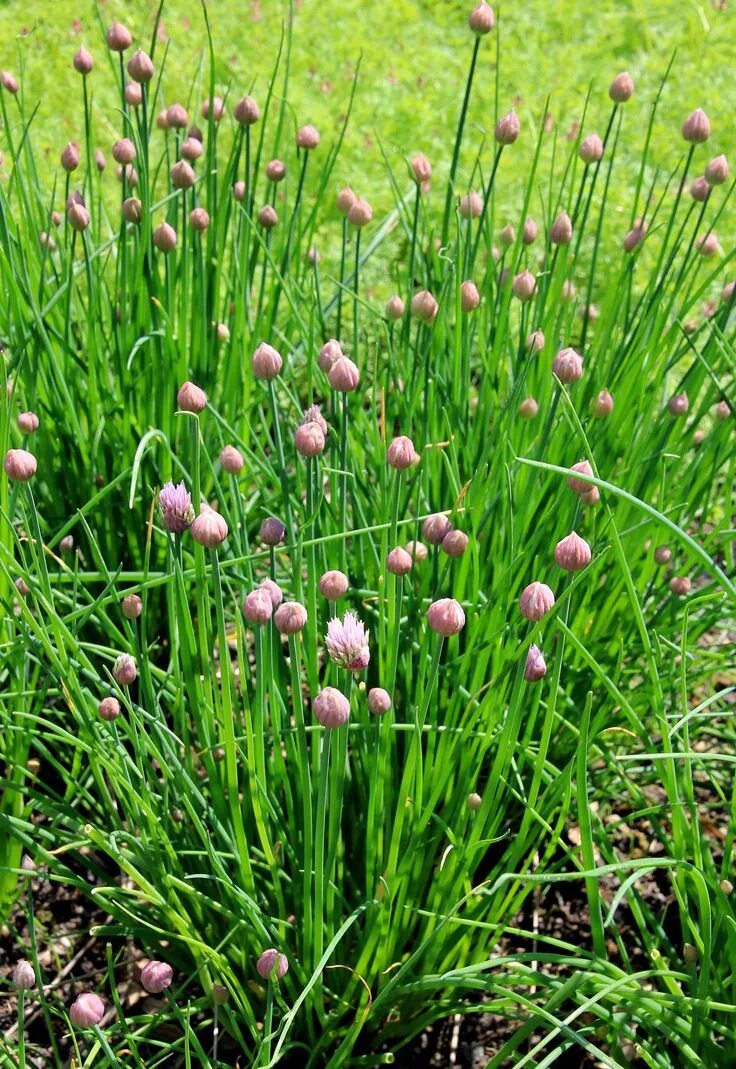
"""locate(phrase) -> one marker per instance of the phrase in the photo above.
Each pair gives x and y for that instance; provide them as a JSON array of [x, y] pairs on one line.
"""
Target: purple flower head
[[175, 503], [347, 642]]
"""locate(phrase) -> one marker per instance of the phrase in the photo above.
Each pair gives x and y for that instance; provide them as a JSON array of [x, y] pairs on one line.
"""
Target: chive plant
[[366, 581]]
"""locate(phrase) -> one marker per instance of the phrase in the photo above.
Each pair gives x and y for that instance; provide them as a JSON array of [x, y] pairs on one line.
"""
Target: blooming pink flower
[[347, 642], [175, 503]]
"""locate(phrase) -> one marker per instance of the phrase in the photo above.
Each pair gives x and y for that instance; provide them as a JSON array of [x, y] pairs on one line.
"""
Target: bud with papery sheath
[[156, 976], [572, 553], [231, 460], [400, 453], [133, 95], [309, 439], [331, 709], [524, 286], [275, 170], [398, 561], [435, 527], [679, 404], [272, 531], [469, 296], [591, 149], [680, 585], [109, 709], [446, 617], [19, 465], [132, 606], [621, 88], [454, 543], [290, 618], [422, 171], [360, 213], [345, 200], [344, 375], [696, 127], [83, 62], [379, 701], [87, 1010], [209, 529], [536, 666], [266, 362], [28, 422], [333, 585], [536, 601], [507, 129], [307, 137], [268, 217], [257, 607], [191, 398], [124, 670], [530, 231], [528, 408], [140, 67], [568, 366], [132, 210], [663, 555], [580, 486], [118, 37], [716, 172], [700, 189], [164, 238], [24, 978], [394, 307], [536, 341], [70, 157], [561, 230], [424, 306], [471, 205], [603, 405], [214, 107], [246, 111], [481, 20]]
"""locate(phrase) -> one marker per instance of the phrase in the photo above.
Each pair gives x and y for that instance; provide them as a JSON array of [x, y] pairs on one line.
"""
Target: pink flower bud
[[140, 67], [275, 170], [199, 220], [268, 217], [507, 236], [662, 555], [19, 465], [536, 601], [70, 157], [309, 439], [46, 241], [568, 366], [536, 341], [246, 111], [399, 562], [679, 404], [329, 353], [239, 191], [8, 82], [722, 411], [83, 62], [273, 590], [680, 585], [524, 286], [572, 553], [231, 460], [209, 529], [333, 585], [696, 127], [481, 19], [271, 963], [191, 398], [621, 88], [132, 606], [156, 976], [128, 174], [474, 802], [530, 231], [28, 422], [88, 1009], [258, 607], [24, 978], [345, 200], [266, 362], [124, 670], [100, 161], [177, 117], [400, 454], [536, 666], [421, 169], [561, 230], [700, 189], [290, 618], [507, 129], [164, 238], [591, 149], [272, 531], [133, 94], [162, 119], [469, 296], [360, 213], [395, 307], [579, 486], [528, 408], [379, 701], [331, 708], [636, 235], [344, 375], [716, 172], [435, 527], [591, 497], [424, 306], [603, 405], [568, 291], [214, 106], [307, 137], [123, 151], [109, 708], [446, 617], [471, 206], [182, 176], [132, 210], [417, 551], [118, 37], [707, 244], [454, 543]]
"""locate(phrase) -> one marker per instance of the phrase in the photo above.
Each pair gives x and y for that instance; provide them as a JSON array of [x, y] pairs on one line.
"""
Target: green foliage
[[215, 818]]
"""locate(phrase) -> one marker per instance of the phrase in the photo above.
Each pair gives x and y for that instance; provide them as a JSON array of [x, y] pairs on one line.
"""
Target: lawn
[[367, 538]]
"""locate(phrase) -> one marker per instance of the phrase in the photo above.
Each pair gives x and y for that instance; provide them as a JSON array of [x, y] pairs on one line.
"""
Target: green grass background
[[415, 58]]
